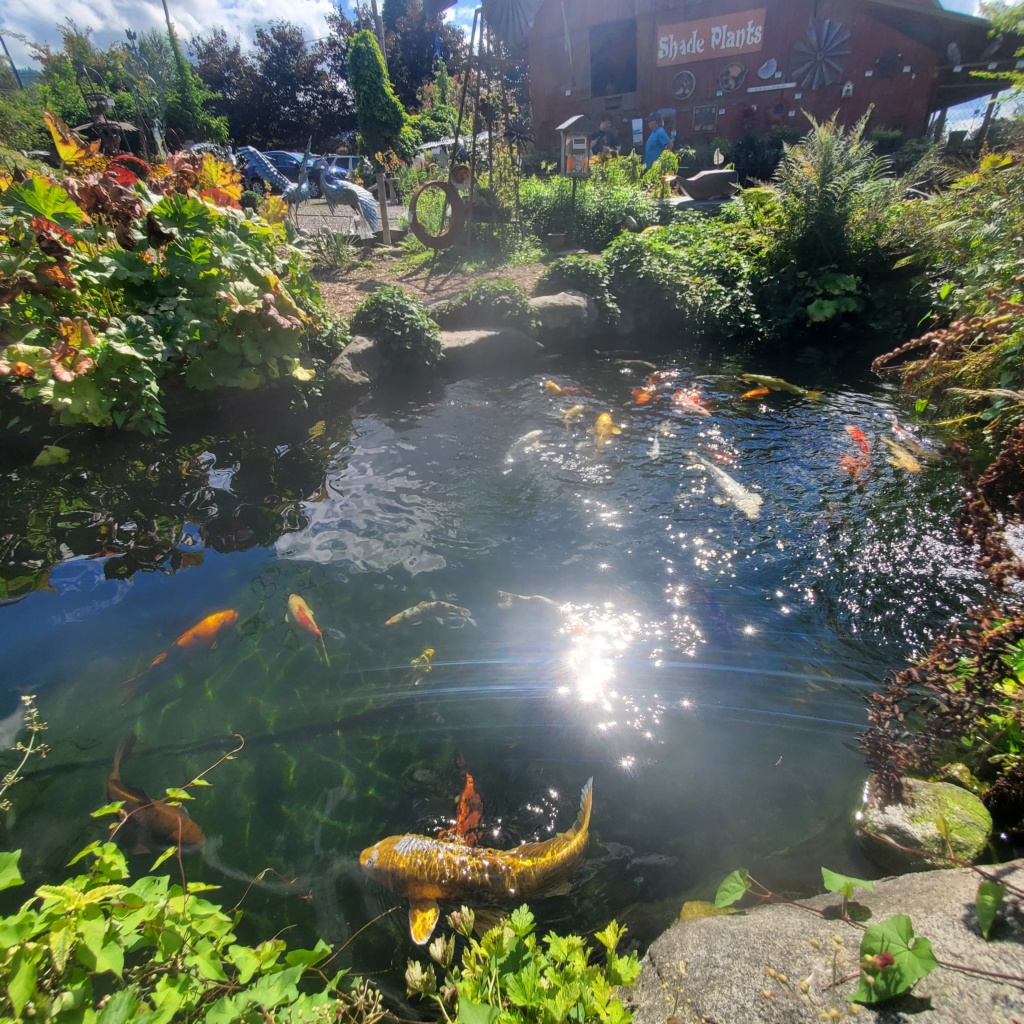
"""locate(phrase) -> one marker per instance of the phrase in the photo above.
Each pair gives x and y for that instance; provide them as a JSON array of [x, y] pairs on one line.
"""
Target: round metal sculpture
[[731, 77], [816, 59], [456, 217], [683, 85]]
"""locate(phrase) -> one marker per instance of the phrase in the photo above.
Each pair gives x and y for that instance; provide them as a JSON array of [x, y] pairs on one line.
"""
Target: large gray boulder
[[358, 366], [713, 969], [566, 321]]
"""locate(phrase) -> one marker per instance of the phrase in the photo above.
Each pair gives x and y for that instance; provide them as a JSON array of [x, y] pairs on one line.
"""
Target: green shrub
[[662, 279], [600, 208], [99, 948], [250, 200], [500, 303], [406, 336], [509, 976], [121, 288], [582, 274]]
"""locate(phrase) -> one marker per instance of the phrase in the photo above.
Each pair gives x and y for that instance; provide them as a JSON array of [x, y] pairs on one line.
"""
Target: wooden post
[[382, 198]]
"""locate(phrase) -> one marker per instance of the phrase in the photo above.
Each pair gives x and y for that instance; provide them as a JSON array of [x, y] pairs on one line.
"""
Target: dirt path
[[345, 292]]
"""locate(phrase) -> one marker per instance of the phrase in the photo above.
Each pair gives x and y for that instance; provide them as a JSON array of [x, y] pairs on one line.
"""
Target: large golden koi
[[426, 870]]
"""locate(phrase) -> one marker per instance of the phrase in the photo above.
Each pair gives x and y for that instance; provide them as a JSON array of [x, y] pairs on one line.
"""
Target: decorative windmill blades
[[510, 20], [824, 44]]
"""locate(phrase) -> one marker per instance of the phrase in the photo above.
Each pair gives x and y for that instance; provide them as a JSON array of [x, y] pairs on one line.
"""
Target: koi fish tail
[[586, 802], [323, 650], [124, 749], [130, 687]]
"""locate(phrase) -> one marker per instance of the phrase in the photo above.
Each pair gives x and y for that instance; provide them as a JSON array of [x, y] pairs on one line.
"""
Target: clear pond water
[[708, 669]]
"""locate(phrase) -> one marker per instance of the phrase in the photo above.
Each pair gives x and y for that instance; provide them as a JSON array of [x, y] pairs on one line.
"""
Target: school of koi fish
[[452, 865]]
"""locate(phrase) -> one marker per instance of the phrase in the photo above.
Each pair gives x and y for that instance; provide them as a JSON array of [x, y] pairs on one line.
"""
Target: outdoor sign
[[725, 36]]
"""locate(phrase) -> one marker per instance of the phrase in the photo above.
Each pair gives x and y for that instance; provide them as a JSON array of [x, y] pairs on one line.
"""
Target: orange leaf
[[223, 196]]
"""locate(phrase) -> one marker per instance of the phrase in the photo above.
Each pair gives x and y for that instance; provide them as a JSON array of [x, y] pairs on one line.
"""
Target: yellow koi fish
[[572, 414], [901, 458], [778, 384], [300, 615], [440, 610], [426, 870], [604, 429]]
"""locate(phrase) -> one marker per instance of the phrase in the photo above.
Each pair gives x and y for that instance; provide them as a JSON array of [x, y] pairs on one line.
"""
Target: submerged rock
[[714, 968], [915, 825], [487, 350], [358, 366]]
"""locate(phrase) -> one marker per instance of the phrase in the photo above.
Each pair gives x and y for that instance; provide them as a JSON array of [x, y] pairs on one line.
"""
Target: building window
[[613, 58]]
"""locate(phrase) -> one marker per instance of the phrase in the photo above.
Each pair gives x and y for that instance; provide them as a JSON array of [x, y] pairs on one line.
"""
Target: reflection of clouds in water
[[375, 521]]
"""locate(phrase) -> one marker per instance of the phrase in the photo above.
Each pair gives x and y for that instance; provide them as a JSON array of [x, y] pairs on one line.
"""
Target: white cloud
[[110, 18]]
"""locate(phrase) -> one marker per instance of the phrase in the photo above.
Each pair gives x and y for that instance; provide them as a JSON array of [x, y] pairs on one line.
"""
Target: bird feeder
[[575, 150]]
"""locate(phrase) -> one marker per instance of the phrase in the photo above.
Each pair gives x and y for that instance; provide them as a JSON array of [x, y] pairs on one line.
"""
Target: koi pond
[[722, 592]]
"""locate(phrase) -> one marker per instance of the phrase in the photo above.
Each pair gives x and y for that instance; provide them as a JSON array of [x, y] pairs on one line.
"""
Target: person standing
[[605, 140], [658, 141]]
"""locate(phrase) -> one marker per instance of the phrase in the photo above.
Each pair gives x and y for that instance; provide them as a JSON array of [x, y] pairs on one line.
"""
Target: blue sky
[[109, 18]]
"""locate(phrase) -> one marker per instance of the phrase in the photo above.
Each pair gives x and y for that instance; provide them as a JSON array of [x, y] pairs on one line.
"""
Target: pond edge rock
[[713, 970], [566, 322]]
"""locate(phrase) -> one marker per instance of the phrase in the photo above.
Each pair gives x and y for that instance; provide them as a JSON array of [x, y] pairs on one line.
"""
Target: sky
[[109, 18]]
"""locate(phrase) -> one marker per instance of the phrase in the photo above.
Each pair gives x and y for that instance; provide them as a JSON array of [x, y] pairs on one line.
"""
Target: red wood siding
[[885, 39]]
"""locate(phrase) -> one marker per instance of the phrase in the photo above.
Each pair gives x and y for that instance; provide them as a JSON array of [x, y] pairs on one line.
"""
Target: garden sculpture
[[293, 192], [347, 193]]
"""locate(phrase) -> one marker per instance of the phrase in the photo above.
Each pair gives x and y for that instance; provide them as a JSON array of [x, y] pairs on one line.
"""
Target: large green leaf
[[734, 887], [907, 959], [844, 884], [987, 904], [476, 1013], [38, 196], [9, 873]]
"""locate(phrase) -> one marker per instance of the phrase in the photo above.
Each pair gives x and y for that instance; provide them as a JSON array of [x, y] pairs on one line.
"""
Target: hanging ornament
[[817, 56]]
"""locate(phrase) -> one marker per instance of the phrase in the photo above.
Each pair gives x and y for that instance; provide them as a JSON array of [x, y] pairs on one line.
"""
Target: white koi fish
[[746, 501]]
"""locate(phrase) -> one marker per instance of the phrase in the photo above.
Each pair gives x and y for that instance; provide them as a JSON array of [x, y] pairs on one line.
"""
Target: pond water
[[707, 668]]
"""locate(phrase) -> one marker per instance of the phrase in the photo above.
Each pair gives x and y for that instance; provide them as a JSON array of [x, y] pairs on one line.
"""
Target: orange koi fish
[[645, 394], [860, 439], [689, 402], [755, 393], [148, 825], [855, 465], [557, 389], [300, 615], [470, 813], [203, 635]]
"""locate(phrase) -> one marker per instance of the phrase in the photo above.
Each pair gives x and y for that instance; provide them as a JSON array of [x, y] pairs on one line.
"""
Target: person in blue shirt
[[658, 141]]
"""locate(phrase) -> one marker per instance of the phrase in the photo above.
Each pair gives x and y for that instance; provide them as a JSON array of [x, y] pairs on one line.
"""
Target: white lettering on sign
[[725, 36]]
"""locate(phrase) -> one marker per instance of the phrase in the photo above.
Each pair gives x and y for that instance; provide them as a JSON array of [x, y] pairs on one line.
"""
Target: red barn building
[[732, 67]]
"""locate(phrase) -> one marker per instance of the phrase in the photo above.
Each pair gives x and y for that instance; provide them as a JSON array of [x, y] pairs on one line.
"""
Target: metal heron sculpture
[[293, 192]]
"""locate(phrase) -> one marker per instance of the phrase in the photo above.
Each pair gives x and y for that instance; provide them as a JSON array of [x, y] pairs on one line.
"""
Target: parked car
[[288, 164], [345, 166]]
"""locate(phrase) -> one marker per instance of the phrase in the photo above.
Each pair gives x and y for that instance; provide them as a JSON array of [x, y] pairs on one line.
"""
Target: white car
[[348, 167]]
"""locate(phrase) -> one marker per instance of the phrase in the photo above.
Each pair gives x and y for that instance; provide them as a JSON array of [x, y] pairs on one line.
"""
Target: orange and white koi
[[440, 610], [689, 402], [855, 465], [300, 615]]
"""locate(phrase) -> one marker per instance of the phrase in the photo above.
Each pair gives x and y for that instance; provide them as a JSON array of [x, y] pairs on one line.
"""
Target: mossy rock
[[916, 826]]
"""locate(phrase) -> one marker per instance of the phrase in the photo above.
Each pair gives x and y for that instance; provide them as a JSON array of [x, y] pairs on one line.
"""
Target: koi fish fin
[[586, 802], [485, 919], [563, 889], [423, 915]]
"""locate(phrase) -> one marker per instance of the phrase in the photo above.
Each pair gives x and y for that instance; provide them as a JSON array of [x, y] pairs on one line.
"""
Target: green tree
[[380, 115]]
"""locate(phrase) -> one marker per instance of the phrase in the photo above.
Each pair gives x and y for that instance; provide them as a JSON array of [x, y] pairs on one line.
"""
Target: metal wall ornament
[[816, 59], [767, 69], [705, 119], [683, 85], [731, 77]]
